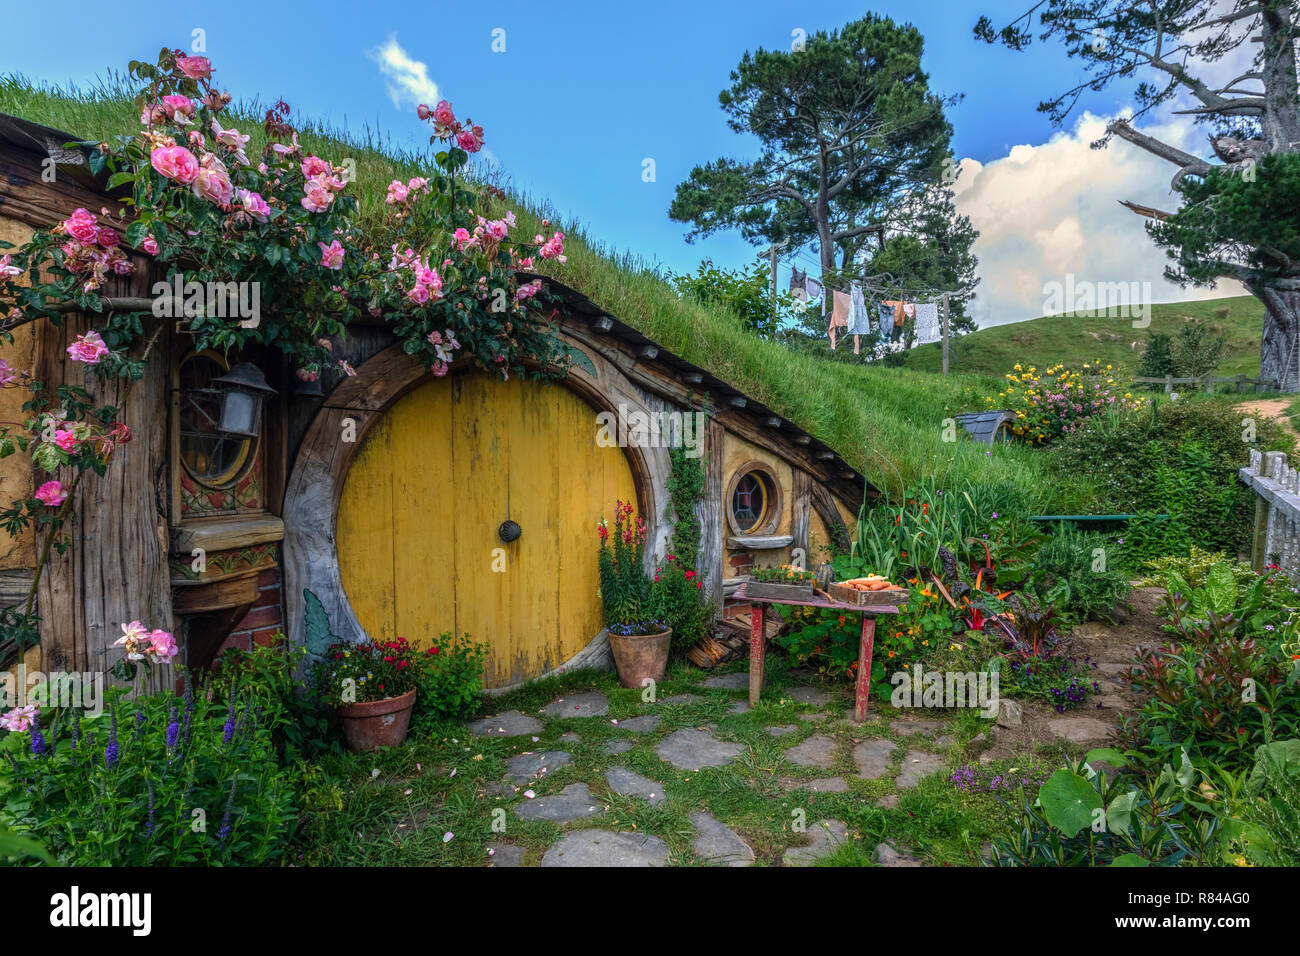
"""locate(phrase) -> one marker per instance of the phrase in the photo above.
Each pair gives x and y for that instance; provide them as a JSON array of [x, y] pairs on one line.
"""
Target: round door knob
[[509, 531]]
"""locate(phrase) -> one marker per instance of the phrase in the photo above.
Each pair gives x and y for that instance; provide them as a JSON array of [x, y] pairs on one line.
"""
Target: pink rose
[[331, 256], [175, 162], [463, 238], [82, 226], [7, 374], [443, 115], [214, 185], [178, 108], [419, 294], [313, 167], [317, 196], [467, 141], [51, 494], [66, 439], [397, 193], [195, 67], [150, 245], [162, 644], [254, 204], [108, 238], [88, 348], [422, 111], [416, 183], [8, 271]]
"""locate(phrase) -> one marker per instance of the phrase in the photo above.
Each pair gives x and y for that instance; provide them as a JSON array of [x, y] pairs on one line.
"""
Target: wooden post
[[1241, 383], [1209, 384], [863, 691], [1169, 384], [757, 650], [1259, 542]]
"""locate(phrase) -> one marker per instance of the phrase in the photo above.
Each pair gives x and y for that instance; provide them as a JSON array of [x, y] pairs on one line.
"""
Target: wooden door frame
[[315, 486]]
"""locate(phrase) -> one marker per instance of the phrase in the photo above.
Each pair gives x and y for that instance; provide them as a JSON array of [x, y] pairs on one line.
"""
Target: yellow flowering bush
[[1057, 400]]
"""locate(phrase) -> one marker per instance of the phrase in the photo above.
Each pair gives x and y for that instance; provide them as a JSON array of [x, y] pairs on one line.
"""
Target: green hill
[[1112, 341]]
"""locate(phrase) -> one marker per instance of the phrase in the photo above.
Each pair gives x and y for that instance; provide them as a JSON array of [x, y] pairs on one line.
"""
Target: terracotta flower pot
[[641, 656], [376, 723]]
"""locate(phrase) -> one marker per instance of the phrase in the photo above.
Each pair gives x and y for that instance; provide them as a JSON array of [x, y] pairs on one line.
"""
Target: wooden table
[[758, 642]]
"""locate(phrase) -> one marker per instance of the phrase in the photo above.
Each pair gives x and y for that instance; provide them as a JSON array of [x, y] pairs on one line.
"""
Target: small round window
[[211, 458], [753, 502]]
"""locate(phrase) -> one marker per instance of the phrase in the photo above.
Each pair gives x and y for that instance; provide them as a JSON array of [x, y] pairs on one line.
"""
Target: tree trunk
[[1279, 349]]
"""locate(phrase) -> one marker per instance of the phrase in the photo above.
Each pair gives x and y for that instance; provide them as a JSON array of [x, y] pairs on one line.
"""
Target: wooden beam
[[737, 401], [648, 352], [602, 324]]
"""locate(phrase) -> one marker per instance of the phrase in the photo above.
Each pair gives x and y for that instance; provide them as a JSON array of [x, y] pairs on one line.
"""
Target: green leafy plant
[[156, 781], [450, 680], [367, 671], [1080, 818], [1078, 573]]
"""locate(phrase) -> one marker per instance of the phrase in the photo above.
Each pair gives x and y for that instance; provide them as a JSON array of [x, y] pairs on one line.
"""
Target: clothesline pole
[[945, 333]]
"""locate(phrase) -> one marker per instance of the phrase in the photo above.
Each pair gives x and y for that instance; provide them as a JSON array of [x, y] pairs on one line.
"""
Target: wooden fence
[[1277, 511], [1207, 382]]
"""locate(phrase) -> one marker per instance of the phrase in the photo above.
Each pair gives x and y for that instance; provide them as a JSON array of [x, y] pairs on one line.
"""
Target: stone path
[[827, 837], [716, 843], [691, 749], [606, 848], [694, 749]]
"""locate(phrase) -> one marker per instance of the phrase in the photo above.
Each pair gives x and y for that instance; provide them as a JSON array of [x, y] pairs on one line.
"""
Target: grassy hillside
[[887, 422], [1112, 341]]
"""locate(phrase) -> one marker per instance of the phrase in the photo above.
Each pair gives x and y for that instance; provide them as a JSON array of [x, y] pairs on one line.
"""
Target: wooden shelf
[[226, 532], [760, 542]]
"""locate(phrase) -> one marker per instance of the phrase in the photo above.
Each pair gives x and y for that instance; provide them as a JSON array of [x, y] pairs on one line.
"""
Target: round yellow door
[[418, 529]]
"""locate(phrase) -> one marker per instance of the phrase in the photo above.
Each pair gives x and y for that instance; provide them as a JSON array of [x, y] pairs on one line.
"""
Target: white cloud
[[1048, 210], [408, 78]]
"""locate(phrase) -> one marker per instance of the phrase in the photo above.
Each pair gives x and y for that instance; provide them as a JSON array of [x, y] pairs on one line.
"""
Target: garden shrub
[[156, 781], [1059, 401], [449, 676], [1178, 458], [1078, 573]]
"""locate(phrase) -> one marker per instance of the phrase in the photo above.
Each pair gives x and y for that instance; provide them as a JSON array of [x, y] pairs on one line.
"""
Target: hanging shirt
[[841, 305]]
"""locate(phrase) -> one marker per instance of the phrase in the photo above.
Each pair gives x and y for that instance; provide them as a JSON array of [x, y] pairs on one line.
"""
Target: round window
[[753, 502], [211, 458]]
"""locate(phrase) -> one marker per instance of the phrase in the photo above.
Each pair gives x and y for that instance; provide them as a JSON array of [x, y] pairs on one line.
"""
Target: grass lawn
[[394, 807]]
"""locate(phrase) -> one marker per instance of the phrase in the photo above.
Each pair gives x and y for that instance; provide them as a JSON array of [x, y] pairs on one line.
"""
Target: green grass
[[1110, 341], [883, 421], [394, 807]]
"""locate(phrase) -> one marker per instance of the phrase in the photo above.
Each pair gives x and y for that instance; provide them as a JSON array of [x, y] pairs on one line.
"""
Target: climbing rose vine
[[440, 268]]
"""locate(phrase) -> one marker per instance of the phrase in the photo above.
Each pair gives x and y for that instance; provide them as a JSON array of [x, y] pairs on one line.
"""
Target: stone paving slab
[[607, 848], [527, 766], [681, 699], [505, 854], [510, 724], [1080, 730], [827, 835], [889, 855], [631, 784], [618, 746], [570, 738], [915, 765], [817, 751], [572, 803], [809, 695], [589, 704], [716, 843], [692, 749], [915, 726], [640, 725], [736, 681], [781, 730], [740, 707]]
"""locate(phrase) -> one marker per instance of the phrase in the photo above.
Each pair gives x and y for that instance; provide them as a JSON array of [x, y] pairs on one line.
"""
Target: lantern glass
[[241, 412]]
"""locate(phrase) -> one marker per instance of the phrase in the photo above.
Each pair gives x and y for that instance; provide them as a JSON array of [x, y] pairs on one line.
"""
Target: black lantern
[[243, 390], [509, 531]]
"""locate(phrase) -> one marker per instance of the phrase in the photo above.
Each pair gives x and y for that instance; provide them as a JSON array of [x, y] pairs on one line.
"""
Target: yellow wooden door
[[430, 486]]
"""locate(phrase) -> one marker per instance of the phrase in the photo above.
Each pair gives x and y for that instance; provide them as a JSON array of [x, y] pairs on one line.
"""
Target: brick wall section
[[264, 619]]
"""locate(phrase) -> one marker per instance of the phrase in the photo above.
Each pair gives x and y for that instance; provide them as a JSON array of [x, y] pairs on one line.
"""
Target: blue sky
[[584, 92]]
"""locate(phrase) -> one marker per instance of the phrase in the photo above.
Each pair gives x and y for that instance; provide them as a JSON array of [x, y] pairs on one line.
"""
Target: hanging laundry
[[839, 314], [886, 319], [799, 285], [859, 319], [927, 316], [813, 286], [899, 313], [909, 310]]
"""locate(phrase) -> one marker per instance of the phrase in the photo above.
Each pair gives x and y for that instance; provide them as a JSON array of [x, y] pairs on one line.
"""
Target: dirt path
[[1274, 408], [1110, 649]]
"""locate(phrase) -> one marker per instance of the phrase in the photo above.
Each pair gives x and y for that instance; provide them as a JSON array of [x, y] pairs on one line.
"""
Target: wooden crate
[[775, 591], [845, 595]]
